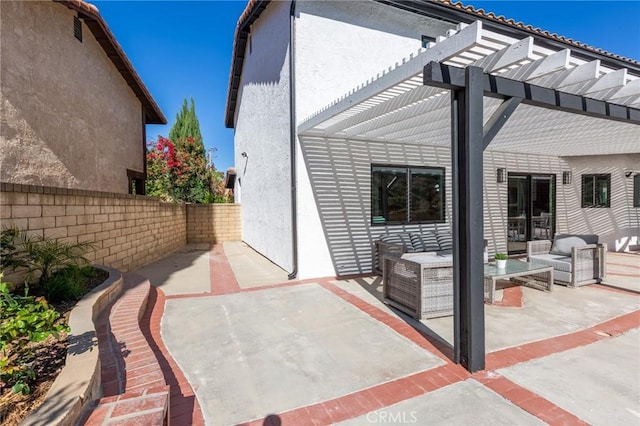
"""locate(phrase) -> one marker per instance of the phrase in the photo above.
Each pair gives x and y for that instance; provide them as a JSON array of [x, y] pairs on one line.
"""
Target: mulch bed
[[48, 358]]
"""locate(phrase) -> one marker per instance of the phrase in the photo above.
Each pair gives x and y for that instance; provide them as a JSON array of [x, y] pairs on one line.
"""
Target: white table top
[[427, 257]]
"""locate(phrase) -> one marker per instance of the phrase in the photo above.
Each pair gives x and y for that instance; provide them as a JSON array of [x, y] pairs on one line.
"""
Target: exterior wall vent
[[77, 28]]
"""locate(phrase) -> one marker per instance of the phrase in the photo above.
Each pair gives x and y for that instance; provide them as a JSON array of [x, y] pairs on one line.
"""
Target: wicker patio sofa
[[395, 245], [420, 285], [577, 260]]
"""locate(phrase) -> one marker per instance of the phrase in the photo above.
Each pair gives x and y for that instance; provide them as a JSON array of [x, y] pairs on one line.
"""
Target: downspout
[[292, 153]]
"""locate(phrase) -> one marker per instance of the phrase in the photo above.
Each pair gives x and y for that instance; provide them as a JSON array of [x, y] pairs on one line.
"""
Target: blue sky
[[182, 49]]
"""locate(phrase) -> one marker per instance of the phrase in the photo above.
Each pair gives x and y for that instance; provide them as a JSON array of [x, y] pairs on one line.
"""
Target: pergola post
[[467, 166]]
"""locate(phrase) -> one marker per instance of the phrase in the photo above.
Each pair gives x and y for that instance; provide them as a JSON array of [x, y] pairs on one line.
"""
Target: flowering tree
[[160, 161], [178, 171], [177, 167]]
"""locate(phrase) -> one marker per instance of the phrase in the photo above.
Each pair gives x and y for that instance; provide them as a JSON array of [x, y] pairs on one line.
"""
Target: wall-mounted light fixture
[[628, 174], [243, 154], [501, 175], [566, 178]]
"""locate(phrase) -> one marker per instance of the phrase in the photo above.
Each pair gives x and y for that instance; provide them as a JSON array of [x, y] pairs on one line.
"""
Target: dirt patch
[[47, 359]]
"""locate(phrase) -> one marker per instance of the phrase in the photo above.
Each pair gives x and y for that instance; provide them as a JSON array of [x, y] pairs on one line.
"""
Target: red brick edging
[[379, 396], [184, 407], [133, 386]]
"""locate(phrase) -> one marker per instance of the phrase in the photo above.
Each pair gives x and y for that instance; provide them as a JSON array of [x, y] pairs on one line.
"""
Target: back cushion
[[402, 239], [425, 242], [445, 240], [563, 243]]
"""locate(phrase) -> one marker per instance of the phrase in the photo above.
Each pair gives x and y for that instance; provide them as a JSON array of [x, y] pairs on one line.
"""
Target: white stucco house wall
[[304, 71]]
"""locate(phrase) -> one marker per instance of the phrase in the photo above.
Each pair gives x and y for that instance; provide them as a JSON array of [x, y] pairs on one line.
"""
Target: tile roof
[[251, 12], [103, 35], [255, 7], [529, 28]]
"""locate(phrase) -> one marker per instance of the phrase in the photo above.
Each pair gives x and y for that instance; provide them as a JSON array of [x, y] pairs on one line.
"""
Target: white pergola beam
[[629, 94], [612, 80], [426, 121], [555, 62], [440, 52], [399, 117], [437, 129], [581, 73], [407, 98], [510, 55]]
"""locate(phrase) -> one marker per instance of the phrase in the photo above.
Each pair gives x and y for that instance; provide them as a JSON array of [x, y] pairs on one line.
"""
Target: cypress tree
[[193, 183], [186, 123]]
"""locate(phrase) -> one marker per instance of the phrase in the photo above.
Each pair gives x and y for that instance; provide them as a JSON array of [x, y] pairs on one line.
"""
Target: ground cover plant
[[49, 276]]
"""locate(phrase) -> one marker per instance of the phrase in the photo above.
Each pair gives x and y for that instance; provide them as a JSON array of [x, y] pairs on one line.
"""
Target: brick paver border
[[343, 408], [184, 407], [364, 401], [133, 385]]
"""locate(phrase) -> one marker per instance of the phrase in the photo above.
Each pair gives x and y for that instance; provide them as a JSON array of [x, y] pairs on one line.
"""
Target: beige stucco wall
[[68, 118]]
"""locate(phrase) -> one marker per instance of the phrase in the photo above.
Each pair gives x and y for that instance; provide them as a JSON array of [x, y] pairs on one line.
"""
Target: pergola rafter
[[379, 108]]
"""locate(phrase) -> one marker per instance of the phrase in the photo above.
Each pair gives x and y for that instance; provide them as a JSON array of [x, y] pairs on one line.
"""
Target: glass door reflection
[[531, 206]]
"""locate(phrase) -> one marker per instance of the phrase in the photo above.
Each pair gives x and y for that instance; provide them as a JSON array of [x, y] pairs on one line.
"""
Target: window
[[136, 182], [401, 194], [636, 190], [596, 190]]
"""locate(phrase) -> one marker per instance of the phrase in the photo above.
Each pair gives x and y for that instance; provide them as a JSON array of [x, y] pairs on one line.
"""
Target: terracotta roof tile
[[492, 16]]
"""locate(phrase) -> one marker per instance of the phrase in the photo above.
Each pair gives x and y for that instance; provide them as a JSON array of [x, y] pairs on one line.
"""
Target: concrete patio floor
[[254, 346]]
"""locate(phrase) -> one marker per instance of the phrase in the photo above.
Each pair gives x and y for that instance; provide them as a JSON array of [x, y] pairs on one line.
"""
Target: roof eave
[[251, 13], [456, 12], [103, 35]]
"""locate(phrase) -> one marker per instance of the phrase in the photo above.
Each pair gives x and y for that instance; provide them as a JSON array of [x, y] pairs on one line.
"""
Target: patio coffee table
[[527, 274]]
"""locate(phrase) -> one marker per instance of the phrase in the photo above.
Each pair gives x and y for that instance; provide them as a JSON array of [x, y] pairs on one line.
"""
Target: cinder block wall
[[127, 230], [213, 223]]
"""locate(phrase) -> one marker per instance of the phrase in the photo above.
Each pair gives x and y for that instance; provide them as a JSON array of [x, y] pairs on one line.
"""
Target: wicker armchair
[[422, 290], [585, 265]]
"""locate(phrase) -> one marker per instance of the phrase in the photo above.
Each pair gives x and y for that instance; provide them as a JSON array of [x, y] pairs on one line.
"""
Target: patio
[[533, 314], [325, 350]]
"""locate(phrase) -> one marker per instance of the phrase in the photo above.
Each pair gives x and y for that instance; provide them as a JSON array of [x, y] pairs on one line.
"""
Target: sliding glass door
[[531, 210]]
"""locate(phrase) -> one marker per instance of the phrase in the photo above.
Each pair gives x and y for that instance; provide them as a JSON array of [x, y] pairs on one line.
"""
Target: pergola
[[476, 89]]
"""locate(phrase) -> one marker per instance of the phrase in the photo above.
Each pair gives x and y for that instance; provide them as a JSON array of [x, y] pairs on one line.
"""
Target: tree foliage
[[177, 171], [177, 167], [186, 125]]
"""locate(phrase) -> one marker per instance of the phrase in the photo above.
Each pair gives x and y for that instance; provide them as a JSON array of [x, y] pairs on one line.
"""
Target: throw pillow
[[401, 239], [563, 243], [445, 240], [425, 242]]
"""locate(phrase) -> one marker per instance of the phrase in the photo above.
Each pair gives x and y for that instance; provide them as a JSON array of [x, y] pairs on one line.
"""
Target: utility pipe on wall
[[292, 154]]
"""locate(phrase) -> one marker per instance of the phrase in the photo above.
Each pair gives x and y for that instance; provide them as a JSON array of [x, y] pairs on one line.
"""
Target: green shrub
[[39, 256], [68, 283], [23, 319]]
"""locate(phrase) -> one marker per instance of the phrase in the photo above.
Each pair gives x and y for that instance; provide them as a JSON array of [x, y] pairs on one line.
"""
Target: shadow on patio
[[327, 350]]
